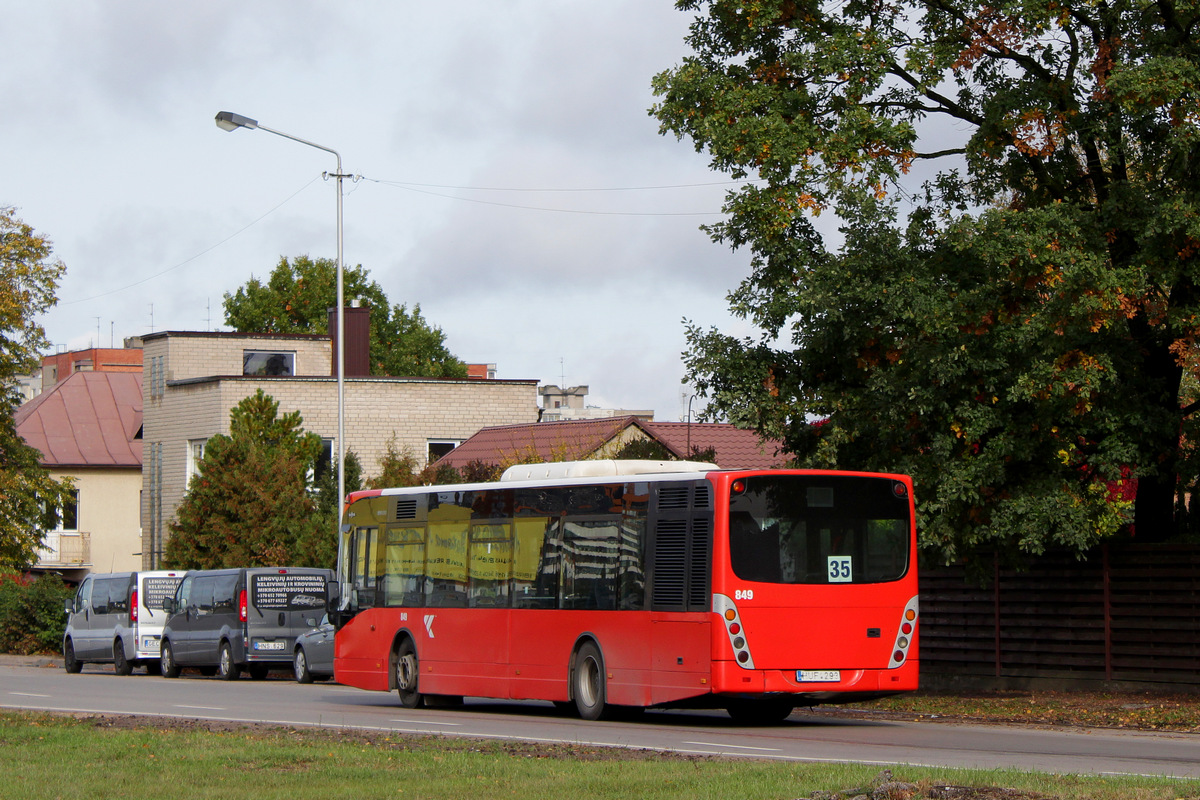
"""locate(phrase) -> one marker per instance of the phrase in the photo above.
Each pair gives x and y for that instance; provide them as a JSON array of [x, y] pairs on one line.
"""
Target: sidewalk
[[7, 660]]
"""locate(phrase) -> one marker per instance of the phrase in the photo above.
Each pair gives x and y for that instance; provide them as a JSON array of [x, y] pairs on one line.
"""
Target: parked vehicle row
[[222, 622]]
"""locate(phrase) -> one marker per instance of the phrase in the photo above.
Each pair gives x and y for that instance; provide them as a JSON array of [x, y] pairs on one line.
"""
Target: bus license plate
[[818, 676], [268, 645]]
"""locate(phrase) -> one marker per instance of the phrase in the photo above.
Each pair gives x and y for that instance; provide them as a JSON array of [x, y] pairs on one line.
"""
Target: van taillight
[[133, 607], [243, 615]]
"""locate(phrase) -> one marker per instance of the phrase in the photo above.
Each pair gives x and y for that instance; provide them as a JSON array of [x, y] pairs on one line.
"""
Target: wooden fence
[[1128, 613]]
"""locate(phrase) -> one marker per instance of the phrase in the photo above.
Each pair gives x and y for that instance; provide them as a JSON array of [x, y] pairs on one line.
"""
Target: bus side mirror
[[333, 596]]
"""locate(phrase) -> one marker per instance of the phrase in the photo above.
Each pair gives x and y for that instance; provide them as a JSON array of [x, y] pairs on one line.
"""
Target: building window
[[326, 462], [265, 362], [64, 518], [439, 448], [195, 457]]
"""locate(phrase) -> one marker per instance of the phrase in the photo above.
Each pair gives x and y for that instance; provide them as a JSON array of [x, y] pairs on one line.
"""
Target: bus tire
[[760, 712], [121, 664], [408, 674], [168, 667], [588, 687]]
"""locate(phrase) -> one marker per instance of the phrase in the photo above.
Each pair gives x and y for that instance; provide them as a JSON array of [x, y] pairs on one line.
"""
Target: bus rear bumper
[[824, 686]]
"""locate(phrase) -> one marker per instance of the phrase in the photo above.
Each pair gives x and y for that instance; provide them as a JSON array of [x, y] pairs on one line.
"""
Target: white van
[[152, 589], [117, 618]]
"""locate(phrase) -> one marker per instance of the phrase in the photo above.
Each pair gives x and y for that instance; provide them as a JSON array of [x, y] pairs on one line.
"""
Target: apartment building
[[192, 380]]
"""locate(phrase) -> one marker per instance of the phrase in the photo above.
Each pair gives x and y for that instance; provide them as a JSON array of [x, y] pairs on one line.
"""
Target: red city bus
[[607, 584]]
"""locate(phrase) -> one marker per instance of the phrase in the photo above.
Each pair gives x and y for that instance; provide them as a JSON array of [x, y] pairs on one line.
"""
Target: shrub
[[31, 614]]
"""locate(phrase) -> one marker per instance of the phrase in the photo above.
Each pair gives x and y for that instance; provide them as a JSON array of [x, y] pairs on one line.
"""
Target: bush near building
[[31, 613]]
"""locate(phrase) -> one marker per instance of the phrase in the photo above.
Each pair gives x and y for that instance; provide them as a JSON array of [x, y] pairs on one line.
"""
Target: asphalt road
[[803, 737]]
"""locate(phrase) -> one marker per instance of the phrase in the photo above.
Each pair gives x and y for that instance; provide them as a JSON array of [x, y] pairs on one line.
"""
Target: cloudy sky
[[513, 183]]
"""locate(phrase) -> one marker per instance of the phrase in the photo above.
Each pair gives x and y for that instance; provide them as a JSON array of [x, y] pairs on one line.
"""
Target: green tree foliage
[[249, 506], [31, 614], [299, 294], [316, 545], [28, 282], [1014, 332], [399, 467]]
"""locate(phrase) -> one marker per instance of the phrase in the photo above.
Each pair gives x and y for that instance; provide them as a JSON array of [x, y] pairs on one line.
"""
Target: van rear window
[[157, 589], [287, 592]]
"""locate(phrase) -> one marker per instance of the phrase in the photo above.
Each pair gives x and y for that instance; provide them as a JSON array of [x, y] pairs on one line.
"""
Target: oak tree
[[1013, 327]]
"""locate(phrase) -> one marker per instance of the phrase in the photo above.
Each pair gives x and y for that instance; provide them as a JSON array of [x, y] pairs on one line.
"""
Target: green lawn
[[48, 756]]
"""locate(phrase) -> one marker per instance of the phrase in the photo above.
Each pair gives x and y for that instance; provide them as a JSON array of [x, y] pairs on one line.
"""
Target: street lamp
[[228, 121]]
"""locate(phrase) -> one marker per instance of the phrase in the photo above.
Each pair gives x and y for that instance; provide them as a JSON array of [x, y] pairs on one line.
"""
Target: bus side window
[[589, 564], [549, 567], [533, 549], [489, 558], [404, 582]]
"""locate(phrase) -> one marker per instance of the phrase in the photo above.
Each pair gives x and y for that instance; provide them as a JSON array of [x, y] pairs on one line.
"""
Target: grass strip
[[44, 756]]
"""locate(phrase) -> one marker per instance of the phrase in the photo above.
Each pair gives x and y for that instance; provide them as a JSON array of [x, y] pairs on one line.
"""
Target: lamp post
[[228, 121]]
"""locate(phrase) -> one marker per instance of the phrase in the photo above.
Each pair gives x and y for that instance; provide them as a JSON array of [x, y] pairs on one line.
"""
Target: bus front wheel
[[407, 674], [588, 684]]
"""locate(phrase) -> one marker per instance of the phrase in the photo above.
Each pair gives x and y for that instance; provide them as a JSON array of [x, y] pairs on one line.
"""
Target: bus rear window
[[802, 529]]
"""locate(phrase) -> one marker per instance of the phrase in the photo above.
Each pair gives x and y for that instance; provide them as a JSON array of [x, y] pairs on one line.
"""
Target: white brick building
[[192, 380]]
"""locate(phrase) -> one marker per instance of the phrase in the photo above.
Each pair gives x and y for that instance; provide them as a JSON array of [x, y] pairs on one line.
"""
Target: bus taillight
[[733, 628], [904, 634]]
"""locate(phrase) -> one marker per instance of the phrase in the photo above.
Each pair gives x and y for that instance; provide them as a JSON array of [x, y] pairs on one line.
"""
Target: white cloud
[[111, 151]]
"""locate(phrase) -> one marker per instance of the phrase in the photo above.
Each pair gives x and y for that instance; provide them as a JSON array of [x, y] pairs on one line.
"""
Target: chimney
[[358, 341]]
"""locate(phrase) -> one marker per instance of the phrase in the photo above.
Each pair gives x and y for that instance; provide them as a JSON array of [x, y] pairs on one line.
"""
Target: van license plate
[[268, 645], [818, 676], [150, 643]]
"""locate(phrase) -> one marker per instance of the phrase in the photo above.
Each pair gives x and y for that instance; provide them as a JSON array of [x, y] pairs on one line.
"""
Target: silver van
[[230, 620], [117, 618]]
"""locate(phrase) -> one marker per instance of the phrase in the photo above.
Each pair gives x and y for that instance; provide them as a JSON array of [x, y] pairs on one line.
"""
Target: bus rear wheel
[[588, 684], [407, 675]]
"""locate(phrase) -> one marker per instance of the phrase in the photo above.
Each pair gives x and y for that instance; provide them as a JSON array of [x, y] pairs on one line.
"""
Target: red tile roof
[[578, 439], [550, 441], [736, 448], [90, 419]]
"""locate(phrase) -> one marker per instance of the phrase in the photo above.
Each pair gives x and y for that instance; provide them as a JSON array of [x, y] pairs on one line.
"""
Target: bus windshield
[[819, 529]]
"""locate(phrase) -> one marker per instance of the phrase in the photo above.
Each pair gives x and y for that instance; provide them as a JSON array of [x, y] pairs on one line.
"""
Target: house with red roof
[[576, 440], [88, 427]]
